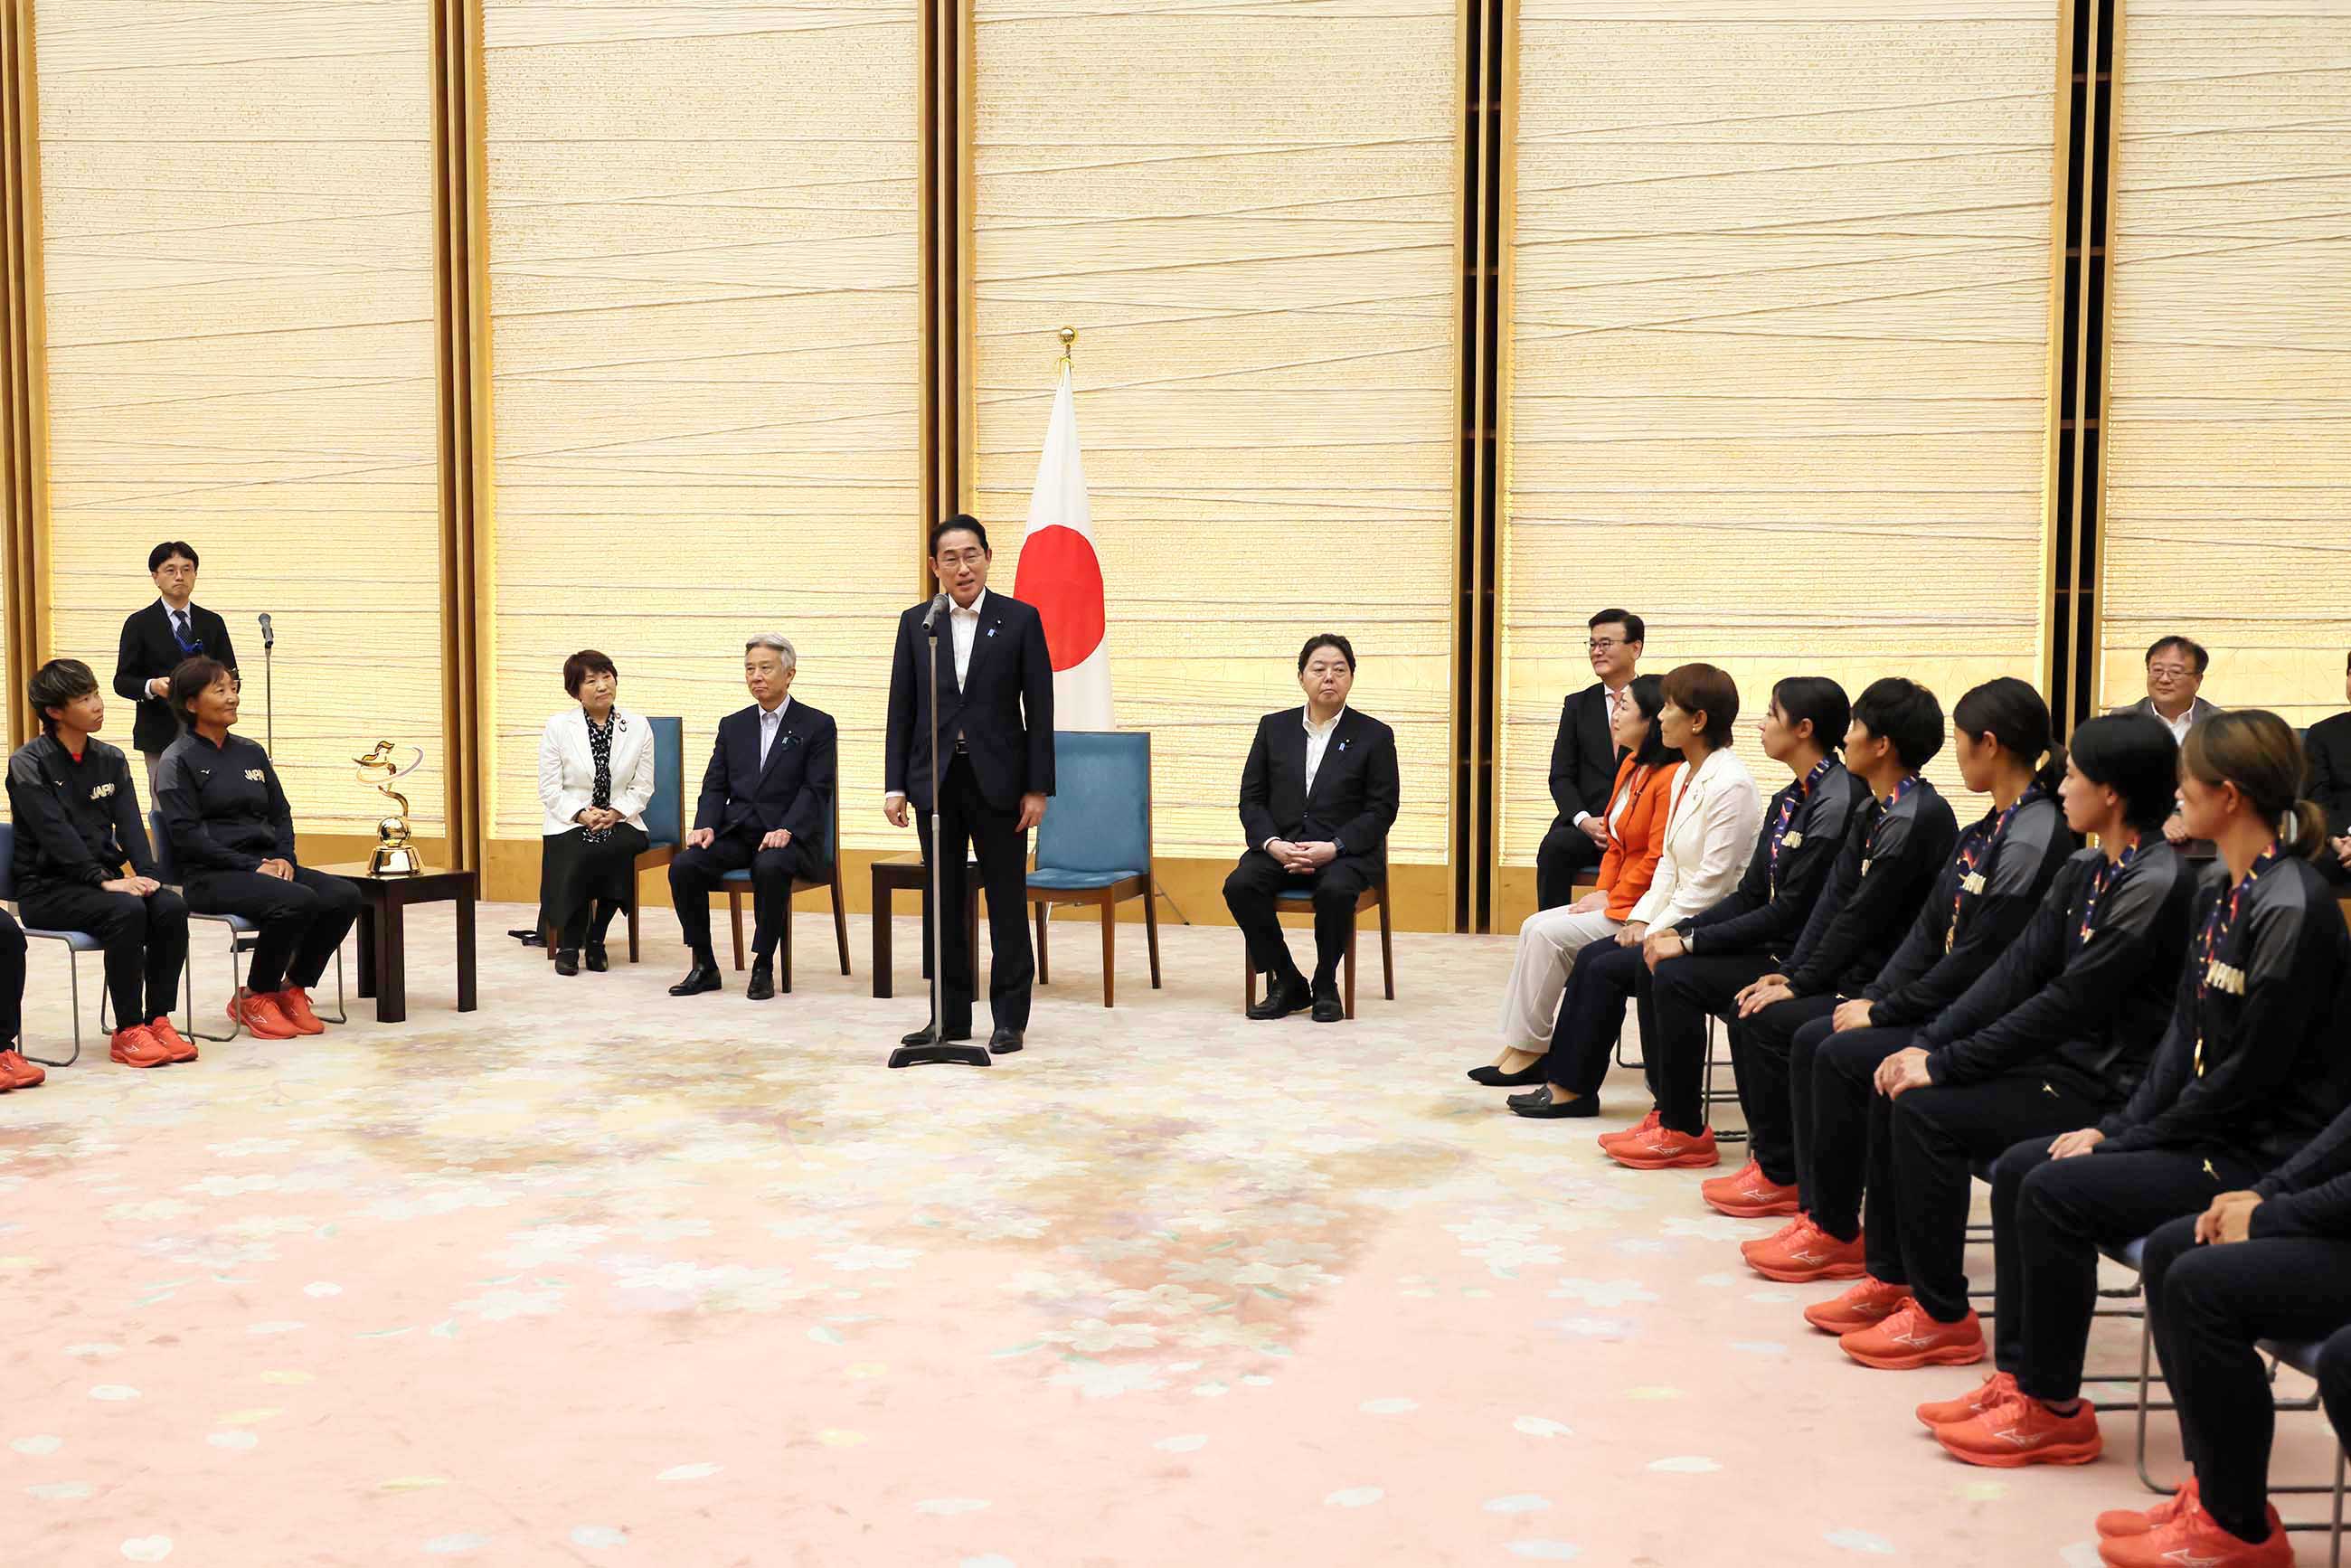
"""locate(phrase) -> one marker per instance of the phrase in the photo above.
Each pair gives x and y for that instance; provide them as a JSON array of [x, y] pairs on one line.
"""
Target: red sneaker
[[16, 1073], [1936, 1412], [1910, 1339], [1750, 1247], [2020, 1430], [1661, 1148], [134, 1047], [2139, 1521], [1634, 1133], [172, 1040], [259, 1014], [295, 1003], [1807, 1254], [2192, 1537], [1748, 1194], [1867, 1304]]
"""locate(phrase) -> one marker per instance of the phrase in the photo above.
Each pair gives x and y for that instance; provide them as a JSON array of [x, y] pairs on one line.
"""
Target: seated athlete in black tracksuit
[[2057, 1033], [232, 836], [76, 813], [1701, 966], [1895, 847], [2254, 1066], [2270, 1263], [1981, 899]]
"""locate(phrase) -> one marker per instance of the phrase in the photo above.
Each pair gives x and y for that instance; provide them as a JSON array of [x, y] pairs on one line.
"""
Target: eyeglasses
[[2170, 672], [1602, 644]]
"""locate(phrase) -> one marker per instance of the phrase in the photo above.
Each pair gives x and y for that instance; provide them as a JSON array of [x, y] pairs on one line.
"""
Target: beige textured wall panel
[[1252, 218], [1779, 347], [237, 211], [703, 262], [2228, 413]]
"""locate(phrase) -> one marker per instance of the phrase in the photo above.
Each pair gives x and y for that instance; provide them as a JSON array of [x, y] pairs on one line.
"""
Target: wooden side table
[[911, 873], [383, 934]]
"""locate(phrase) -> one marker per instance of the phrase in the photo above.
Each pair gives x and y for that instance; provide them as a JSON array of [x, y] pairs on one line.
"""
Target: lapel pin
[[1342, 745], [991, 630]]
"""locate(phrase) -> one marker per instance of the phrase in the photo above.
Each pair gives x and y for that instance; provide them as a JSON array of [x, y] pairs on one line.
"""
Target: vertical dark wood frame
[[23, 426]]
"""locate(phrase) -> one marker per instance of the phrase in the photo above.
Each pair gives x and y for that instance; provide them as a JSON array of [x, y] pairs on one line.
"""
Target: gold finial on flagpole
[[1069, 337]]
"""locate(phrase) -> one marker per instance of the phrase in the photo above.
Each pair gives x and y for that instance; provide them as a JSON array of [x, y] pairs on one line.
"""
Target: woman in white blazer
[[1710, 829], [595, 780]]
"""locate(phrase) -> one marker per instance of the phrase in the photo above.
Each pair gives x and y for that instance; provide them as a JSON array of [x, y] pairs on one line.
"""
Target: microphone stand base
[[967, 1053]]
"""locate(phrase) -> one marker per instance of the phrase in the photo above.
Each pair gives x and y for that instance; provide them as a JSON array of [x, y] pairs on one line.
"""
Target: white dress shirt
[[1318, 742], [771, 724], [1616, 695], [963, 627]]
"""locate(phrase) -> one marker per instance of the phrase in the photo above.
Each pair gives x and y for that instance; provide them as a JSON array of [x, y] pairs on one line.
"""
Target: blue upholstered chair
[[1302, 899], [76, 944], [1094, 844], [738, 882], [242, 934], [664, 820]]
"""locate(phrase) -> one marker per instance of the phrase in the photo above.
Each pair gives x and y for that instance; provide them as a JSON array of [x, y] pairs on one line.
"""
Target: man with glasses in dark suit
[[156, 641], [1583, 759], [1318, 797]]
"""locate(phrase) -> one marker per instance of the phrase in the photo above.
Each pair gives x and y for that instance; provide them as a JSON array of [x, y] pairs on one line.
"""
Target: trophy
[[393, 856]]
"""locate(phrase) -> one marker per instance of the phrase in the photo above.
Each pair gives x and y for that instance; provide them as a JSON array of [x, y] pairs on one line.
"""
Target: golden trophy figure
[[393, 856]]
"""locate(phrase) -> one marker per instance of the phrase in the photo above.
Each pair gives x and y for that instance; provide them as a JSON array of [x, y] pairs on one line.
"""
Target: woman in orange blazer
[[1551, 939]]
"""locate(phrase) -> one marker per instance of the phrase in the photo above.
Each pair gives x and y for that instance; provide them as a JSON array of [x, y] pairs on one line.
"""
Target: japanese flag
[[1061, 576]]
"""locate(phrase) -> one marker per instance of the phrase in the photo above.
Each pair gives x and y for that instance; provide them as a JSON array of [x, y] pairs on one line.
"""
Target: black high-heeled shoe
[[567, 960], [1493, 1077], [595, 960]]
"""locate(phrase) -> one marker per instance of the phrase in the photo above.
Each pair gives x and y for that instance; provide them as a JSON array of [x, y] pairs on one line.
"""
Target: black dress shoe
[[1004, 1041], [1283, 998], [700, 979], [929, 1035], [1540, 1105], [762, 988], [567, 960], [1329, 1010], [1493, 1077], [595, 962]]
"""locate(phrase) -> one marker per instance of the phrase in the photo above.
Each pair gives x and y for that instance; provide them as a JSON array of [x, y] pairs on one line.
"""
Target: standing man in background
[[996, 768], [1584, 758], [2175, 680], [156, 640]]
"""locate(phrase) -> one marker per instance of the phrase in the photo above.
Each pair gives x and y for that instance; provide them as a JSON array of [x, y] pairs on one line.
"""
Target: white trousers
[[1549, 941]]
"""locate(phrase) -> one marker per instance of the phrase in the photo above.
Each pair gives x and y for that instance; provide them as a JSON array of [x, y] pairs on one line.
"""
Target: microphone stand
[[270, 692], [970, 1053]]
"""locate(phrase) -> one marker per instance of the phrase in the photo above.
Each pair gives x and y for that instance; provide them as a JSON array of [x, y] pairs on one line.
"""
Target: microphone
[[938, 608], [268, 638]]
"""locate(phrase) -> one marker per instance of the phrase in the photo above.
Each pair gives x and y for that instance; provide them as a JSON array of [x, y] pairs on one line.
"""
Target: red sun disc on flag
[[1060, 576]]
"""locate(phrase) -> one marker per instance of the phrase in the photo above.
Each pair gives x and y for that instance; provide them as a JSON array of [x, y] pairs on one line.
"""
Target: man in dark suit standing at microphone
[[158, 639], [1319, 794], [1584, 758], [996, 768]]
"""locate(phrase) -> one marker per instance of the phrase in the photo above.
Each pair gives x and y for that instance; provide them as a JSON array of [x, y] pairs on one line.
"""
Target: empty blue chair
[[1094, 844], [242, 934], [738, 882]]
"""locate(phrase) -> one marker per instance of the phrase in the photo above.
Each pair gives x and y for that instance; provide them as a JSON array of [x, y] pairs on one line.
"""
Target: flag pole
[[1069, 338]]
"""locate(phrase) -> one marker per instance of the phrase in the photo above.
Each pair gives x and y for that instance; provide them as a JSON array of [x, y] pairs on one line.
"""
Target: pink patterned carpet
[[595, 1276]]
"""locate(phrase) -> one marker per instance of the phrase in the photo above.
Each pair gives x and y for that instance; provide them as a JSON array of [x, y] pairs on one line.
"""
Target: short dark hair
[[192, 676], [1820, 699], [1327, 640], [965, 522], [166, 551], [1906, 713], [582, 665], [2187, 645], [2133, 755], [56, 684], [1635, 632], [1649, 696], [1702, 688]]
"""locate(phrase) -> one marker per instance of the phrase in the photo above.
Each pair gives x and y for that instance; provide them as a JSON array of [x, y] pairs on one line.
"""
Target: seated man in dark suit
[[1318, 797], [766, 804], [2175, 678], [1583, 759], [158, 639], [2327, 748]]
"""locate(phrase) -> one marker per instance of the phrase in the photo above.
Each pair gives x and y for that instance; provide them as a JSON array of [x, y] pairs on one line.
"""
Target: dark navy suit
[[742, 801]]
